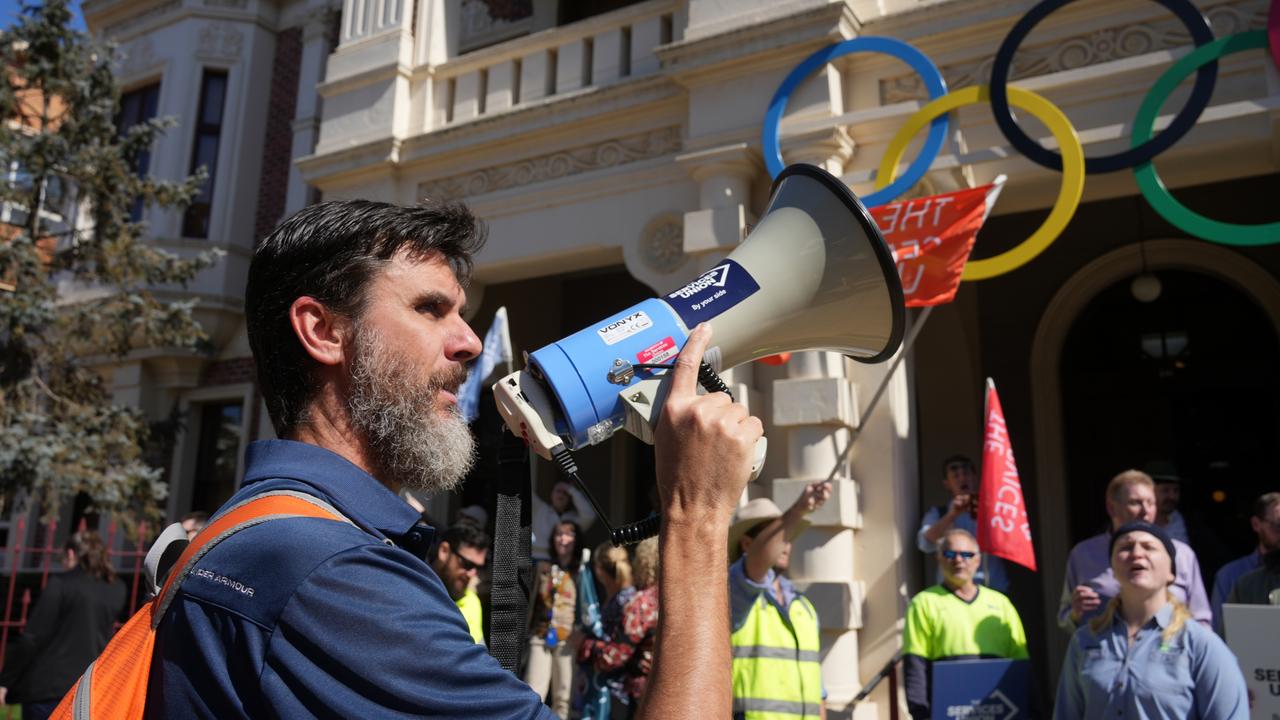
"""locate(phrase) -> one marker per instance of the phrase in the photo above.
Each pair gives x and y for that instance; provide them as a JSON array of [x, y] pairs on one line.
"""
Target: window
[[138, 106], [204, 151], [217, 453]]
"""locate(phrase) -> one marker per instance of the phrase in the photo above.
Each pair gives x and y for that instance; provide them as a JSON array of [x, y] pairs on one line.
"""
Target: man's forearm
[[935, 531], [692, 664]]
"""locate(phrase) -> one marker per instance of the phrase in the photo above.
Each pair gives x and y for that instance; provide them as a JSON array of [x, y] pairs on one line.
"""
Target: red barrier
[[29, 567]]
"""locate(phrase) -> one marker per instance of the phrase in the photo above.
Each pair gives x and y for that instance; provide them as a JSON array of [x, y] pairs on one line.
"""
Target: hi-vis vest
[[473, 613], [776, 670]]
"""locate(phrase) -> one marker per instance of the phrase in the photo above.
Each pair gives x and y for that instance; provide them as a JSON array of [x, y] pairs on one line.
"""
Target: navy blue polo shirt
[[304, 617]]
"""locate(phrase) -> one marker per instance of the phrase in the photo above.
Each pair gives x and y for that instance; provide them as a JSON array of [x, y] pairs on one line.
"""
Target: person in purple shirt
[[1090, 583], [1266, 524], [354, 316]]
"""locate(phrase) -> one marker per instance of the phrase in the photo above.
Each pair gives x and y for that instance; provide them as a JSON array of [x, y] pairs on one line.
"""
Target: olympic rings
[[934, 83], [1154, 190], [1201, 34], [1072, 175]]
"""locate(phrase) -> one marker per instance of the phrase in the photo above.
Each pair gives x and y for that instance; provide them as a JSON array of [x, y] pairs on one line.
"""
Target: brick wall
[[277, 146], [228, 372]]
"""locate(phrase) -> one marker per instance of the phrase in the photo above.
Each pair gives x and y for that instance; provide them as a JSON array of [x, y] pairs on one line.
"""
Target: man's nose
[[464, 344]]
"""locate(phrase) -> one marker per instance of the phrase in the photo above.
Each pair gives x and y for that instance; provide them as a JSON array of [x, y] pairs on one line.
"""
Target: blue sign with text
[[981, 689]]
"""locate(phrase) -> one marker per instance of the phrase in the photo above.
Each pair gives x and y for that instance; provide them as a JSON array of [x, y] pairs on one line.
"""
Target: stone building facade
[[614, 150]]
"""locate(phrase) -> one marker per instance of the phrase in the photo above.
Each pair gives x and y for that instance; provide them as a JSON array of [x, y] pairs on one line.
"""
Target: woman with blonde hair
[[1144, 657]]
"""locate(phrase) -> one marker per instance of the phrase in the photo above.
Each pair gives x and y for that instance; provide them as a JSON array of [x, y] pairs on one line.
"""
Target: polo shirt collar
[[1162, 618], [355, 492]]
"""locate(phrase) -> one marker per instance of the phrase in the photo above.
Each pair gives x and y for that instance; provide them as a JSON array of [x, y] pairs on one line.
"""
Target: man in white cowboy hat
[[776, 666]]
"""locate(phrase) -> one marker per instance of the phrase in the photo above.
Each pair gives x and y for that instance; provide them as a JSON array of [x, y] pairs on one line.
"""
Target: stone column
[[306, 119], [367, 90], [816, 406], [724, 175]]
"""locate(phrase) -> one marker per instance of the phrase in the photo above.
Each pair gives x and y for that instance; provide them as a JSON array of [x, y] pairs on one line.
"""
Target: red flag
[[931, 238], [1003, 527]]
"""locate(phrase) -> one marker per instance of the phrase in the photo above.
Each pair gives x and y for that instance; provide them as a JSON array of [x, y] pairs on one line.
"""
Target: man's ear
[[443, 549], [744, 543], [322, 332]]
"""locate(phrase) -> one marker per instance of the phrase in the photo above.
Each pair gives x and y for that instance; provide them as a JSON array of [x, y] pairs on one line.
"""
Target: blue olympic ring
[[1201, 35], [918, 61]]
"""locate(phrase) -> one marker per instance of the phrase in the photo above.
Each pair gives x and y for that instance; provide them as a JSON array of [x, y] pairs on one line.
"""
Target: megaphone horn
[[814, 274]]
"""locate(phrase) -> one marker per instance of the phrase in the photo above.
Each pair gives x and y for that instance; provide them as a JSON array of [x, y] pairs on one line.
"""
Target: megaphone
[[814, 274]]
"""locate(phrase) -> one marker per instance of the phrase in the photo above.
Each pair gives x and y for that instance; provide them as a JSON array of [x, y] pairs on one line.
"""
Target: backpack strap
[[252, 511]]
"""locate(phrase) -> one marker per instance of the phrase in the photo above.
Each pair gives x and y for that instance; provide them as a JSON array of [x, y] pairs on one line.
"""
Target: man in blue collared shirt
[[1266, 524], [354, 316]]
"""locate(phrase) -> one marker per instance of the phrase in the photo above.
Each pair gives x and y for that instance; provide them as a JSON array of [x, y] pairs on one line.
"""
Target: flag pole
[[986, 408], [907, 344]]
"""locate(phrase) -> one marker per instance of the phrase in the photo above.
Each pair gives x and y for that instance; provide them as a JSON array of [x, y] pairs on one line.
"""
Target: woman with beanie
[[70, 625], [1144, 657]]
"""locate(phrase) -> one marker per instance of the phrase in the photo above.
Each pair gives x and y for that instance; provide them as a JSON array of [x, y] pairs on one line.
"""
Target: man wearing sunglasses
[[460, 556], [956, 620], [961, 481]]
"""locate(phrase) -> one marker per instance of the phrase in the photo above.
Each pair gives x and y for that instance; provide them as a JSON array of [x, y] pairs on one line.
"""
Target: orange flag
[[931, 238]]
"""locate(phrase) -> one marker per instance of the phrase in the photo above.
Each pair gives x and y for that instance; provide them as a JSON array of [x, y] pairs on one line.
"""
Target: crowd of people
[[594, 612], [1142, 626], [354, 316]]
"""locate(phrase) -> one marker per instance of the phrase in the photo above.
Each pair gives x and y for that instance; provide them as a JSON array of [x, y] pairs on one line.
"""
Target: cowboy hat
[[752, 514]]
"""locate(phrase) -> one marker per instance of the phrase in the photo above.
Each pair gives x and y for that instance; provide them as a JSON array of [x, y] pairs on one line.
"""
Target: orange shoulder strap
[[250, 512], [115, 685]]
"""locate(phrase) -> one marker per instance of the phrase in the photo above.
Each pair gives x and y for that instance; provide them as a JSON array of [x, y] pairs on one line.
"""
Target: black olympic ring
[[1201, 34]]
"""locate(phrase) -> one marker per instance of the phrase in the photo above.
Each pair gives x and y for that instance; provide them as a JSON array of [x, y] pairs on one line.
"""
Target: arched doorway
[[1054, 499], [1188, 378]]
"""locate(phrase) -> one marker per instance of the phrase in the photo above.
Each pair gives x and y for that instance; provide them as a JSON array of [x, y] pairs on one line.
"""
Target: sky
[[9, 12]]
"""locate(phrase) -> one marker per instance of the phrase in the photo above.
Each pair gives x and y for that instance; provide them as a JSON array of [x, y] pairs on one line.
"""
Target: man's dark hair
[[331, 252], [464, 534], [956, 459]]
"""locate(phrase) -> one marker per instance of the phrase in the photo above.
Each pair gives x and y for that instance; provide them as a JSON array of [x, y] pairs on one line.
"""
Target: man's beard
[[412, 444]]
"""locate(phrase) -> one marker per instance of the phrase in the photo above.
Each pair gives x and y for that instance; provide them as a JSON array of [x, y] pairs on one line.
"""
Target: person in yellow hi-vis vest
[[777, 670], [460, 555]]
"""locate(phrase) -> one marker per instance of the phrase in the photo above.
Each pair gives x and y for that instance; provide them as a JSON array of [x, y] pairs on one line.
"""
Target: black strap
[[512, 567]]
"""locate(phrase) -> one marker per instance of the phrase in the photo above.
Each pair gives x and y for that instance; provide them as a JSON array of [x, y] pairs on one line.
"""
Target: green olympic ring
[[1154, 190]]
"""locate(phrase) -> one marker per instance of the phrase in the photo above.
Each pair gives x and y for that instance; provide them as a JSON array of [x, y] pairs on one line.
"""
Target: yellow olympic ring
[[1072, 171]]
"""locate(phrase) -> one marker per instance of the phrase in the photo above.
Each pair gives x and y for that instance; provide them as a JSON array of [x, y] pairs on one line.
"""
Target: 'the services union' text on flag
[[1003, 527], [931, 238]]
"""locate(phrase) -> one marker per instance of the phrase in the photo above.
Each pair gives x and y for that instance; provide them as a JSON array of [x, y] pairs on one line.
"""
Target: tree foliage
[[78, 275]]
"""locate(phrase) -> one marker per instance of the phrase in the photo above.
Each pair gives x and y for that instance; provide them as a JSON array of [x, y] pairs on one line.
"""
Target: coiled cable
[[648, 527]]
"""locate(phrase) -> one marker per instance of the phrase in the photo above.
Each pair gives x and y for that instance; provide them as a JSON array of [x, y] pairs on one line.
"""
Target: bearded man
[[353, 312]]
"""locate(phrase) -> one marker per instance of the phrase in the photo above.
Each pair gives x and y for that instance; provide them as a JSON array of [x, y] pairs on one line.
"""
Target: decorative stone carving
[[220, 41], [136, 57], [1083, 50], [662, 244], [610, 153], [147, 15]]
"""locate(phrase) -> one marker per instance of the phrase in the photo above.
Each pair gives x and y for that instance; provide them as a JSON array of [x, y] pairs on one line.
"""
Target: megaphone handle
[[639, 530]]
